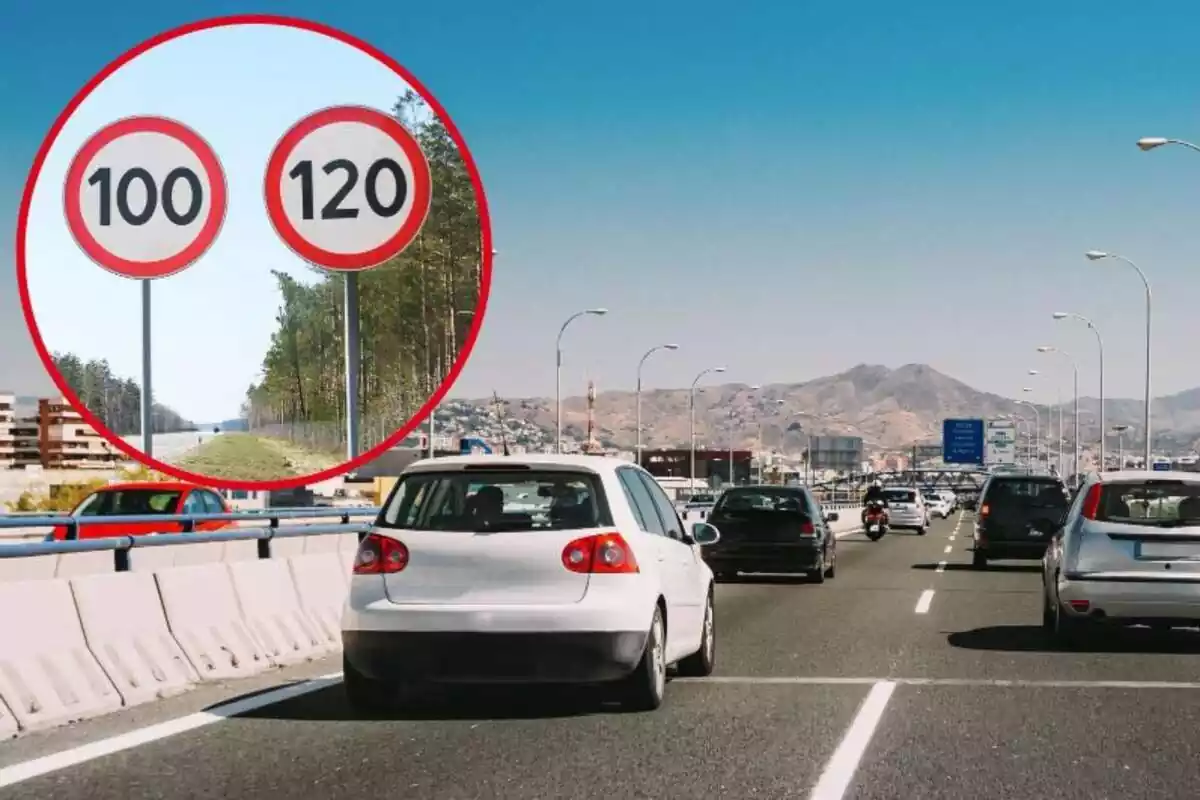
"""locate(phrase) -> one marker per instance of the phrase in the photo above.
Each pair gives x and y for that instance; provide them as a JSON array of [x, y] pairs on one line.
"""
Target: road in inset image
[[245, 216]]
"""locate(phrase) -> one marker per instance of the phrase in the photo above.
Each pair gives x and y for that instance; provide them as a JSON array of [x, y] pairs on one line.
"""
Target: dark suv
[[1009, 507]]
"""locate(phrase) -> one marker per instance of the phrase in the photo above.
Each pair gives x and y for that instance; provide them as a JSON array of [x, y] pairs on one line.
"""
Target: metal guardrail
[[121, 546], [188, 522]]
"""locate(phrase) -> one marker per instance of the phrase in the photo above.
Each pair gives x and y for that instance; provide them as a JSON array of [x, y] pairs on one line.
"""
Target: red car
[[144, 499]]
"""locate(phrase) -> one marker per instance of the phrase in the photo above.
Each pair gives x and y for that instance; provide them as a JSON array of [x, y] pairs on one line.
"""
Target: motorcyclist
[[874, 496]]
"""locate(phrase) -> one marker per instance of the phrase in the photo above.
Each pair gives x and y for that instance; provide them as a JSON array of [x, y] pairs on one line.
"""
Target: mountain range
[[891, 409]]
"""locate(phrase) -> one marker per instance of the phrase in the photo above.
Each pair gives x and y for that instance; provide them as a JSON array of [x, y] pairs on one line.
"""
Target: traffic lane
[[989, 625], [708, 740], [862, 623], [37, 744], [1020, 743]]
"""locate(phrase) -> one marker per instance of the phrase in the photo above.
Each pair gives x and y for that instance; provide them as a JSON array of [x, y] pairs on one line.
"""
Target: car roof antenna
[[503, 420]]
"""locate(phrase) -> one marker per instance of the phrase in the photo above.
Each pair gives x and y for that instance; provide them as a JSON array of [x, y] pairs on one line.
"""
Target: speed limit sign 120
[[145, 197], [347, 188]]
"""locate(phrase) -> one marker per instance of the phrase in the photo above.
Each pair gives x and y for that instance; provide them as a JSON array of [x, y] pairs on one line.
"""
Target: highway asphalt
[[894, 680], [171, 447]]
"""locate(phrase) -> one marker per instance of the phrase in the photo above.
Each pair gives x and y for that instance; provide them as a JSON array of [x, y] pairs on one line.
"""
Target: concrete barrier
[[272, 609], [203, 615], [47, 674], [126, 630], [321, 584]]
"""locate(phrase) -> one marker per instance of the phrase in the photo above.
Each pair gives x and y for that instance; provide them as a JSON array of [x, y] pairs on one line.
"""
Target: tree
[[411, 310], [116, 401]]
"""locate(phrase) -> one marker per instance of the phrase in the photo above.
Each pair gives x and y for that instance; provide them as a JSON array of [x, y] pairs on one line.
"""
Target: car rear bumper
[[476, 657], [1131, 600], [1021, 551], [765, 558], [905, 519]]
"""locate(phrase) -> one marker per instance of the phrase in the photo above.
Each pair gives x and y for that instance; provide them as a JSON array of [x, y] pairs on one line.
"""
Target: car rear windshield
[[497, 500], [1026, 493], [129, 503], [1150, 502], [749, 501], [900, 495]]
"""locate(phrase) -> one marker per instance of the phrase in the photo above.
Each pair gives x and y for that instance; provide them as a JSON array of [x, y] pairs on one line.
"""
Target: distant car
[[461, 581], [907, 510], [779, 529], [1126, 552], [1009, 505], [939, 506], [143, 499], [216, 429]]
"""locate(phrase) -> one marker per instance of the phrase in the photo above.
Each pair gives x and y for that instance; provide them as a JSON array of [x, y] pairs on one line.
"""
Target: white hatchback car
[[463, 580]]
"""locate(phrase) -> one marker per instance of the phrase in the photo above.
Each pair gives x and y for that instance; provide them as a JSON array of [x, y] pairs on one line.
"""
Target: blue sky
[[733, 180]]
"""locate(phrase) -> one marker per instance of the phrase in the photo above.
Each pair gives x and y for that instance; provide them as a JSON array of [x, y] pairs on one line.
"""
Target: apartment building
[[56, 437]]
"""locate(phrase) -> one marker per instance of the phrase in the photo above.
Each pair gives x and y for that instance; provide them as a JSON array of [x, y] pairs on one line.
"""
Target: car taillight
[[1091, 503], [601, 553], [807, 529], [983, 510], [380, 555]]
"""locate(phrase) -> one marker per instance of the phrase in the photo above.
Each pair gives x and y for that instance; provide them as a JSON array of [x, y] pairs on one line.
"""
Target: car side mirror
[[832, 516], [705, 534]]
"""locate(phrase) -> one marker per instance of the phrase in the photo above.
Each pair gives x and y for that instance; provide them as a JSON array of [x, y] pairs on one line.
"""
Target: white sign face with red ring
[[145, 197], [347, 188]]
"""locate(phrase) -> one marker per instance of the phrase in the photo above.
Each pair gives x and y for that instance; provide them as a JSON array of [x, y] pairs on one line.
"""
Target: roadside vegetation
[[247, 457], [65, 496]]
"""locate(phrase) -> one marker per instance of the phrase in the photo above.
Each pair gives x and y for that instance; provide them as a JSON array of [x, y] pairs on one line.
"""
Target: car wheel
[[979, 559], [1047, 612], [1068, 629], [645, 687], [365, 695], [832, 571], [816, 575], [922, 530], [700, 663]]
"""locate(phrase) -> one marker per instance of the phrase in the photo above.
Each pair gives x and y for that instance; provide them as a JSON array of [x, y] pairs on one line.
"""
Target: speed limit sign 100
[[145, 197], [347, 188]]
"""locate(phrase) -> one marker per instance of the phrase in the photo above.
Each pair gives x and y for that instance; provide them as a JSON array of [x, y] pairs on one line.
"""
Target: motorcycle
[[875, 521]]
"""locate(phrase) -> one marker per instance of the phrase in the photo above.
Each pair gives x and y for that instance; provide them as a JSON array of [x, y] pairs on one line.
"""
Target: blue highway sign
[[1161, 466], [962, 441]]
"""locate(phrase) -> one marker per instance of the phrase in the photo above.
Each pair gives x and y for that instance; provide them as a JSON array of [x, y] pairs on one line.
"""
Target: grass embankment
[[246, 457]]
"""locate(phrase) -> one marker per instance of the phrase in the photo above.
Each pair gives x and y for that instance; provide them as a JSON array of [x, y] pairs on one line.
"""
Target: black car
[[1009, 508], [778, 529]]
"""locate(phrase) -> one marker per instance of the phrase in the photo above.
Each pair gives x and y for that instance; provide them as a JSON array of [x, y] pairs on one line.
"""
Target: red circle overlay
[[485, 226], [421, 189], [73, 188]]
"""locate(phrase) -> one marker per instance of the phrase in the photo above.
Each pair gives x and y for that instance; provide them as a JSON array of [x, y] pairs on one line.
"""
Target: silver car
[[906, 509], [1127, 553]]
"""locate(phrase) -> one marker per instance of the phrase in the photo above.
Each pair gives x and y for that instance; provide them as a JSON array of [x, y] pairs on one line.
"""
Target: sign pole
[[147, 394], [353, 358]]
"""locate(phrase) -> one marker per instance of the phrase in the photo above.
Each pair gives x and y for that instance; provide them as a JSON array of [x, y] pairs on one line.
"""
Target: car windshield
[[1027, 493], [1150, 502], [743, 501], [900, 495], [496, 500], [129, 503]]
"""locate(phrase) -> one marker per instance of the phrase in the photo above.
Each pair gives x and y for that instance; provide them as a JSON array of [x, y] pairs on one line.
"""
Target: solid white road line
[[839, 772], [126, 741], [924, 601], [968, 682]]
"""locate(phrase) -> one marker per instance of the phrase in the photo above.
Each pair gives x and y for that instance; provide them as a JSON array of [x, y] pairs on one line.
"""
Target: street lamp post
[[1075, 370], [1119, 430], [1096, 255], [1050, 421], [638, 446], [1100, 345], [692, 409], [1037, 426], [1151, 142], [732, 411], [596, 312]]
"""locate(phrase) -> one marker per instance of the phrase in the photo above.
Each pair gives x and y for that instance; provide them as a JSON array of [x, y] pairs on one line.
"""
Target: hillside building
[[56, 437]]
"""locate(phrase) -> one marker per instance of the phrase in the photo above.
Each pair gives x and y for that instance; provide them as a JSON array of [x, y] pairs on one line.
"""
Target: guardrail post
[[264, 544], [72, 530], [188, 525], [121, 558]]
